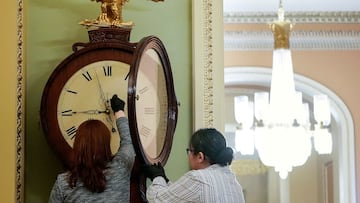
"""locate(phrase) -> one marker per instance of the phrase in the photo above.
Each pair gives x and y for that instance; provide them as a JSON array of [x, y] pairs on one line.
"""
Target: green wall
[[51, 29]]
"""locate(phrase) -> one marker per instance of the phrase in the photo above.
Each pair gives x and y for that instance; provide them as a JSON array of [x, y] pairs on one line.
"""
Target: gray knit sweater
[[117, 176]]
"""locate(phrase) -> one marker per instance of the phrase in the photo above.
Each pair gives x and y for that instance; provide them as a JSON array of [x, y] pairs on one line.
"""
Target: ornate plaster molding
[[205, 44], [295, 17], [208, 65], [299, 40], [20, 89]]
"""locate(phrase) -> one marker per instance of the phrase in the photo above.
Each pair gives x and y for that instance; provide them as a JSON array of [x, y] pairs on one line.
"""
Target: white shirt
[[214, 184]]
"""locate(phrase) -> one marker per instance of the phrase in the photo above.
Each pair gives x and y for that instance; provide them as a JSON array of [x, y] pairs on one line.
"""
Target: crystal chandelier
[[280, 129]]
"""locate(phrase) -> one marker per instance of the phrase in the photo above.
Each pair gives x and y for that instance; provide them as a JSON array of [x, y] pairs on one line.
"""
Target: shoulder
[[209, 171], [62, 179], [199, 174], [62, 176]]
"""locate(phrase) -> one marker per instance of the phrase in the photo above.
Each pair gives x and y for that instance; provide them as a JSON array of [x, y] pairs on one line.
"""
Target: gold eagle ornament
[[111, 15]]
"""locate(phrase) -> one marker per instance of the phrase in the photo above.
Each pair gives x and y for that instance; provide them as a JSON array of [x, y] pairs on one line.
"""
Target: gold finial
[[281, 29]]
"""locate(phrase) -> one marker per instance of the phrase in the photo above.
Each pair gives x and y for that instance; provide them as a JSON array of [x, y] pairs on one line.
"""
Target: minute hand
[[92, 112], [107, 106], [102, 94]]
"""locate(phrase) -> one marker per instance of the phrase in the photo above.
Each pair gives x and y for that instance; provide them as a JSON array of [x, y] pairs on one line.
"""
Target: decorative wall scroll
[[208, 68], [207, 64]]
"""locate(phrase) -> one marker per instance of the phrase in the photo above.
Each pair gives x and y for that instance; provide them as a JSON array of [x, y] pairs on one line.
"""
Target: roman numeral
[[107, 70], [71, 91], [71, 132], [149, 110], [126, 77], [145, 131], [67, 113], [143, 90], [87, 76]]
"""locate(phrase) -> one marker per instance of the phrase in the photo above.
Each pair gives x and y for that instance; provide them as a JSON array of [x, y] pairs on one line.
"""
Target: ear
[[200, 161], [200, 157]]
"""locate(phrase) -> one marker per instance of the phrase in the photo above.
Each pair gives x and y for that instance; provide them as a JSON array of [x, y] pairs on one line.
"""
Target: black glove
[[117, 104], [153, 171]]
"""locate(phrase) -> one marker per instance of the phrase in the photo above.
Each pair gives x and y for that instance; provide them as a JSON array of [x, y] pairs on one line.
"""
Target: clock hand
[[102, 94], [106, 102], [92, 112], [108, 119], [111, 123]]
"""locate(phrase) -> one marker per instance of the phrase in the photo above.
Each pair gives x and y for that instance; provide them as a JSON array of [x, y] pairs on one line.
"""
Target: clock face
[[79, 89], [86, 95], [151, 103]]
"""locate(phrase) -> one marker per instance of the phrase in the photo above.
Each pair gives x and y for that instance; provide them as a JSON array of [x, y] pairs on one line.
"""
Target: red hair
[[91, 152]]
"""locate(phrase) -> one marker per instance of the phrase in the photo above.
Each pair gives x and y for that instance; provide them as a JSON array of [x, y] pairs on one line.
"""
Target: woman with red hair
[[97, 175]]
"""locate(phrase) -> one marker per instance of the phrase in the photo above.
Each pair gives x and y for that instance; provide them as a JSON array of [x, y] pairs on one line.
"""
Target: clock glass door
[[152, 101], [151, 104]]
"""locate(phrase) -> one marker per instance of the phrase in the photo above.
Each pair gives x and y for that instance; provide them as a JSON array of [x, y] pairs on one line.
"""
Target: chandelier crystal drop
[[278, 125]]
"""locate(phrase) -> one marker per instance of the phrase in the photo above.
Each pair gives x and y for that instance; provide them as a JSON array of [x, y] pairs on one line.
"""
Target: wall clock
[[81, 86]]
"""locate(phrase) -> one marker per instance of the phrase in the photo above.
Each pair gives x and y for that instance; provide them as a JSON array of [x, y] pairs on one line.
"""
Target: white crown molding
[[299, 40], [295, 17]]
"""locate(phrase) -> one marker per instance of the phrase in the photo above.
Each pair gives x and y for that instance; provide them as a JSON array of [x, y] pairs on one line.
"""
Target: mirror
[[209, 90], [325, 173]]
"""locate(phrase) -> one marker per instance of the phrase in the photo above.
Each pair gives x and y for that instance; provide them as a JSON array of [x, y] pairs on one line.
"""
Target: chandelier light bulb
[[244, 141], [322, 113]]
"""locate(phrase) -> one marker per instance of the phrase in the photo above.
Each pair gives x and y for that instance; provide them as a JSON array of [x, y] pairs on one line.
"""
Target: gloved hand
[[117, 104], [153, 171]]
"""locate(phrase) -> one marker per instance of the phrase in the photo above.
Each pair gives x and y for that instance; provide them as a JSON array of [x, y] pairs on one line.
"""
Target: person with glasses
[[210, 179]]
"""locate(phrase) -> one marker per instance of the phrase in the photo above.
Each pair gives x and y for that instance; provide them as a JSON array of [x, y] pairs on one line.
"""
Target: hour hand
[[91, 112]]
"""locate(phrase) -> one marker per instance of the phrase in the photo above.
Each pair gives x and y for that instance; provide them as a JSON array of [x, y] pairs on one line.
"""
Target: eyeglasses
[[189, 150]]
